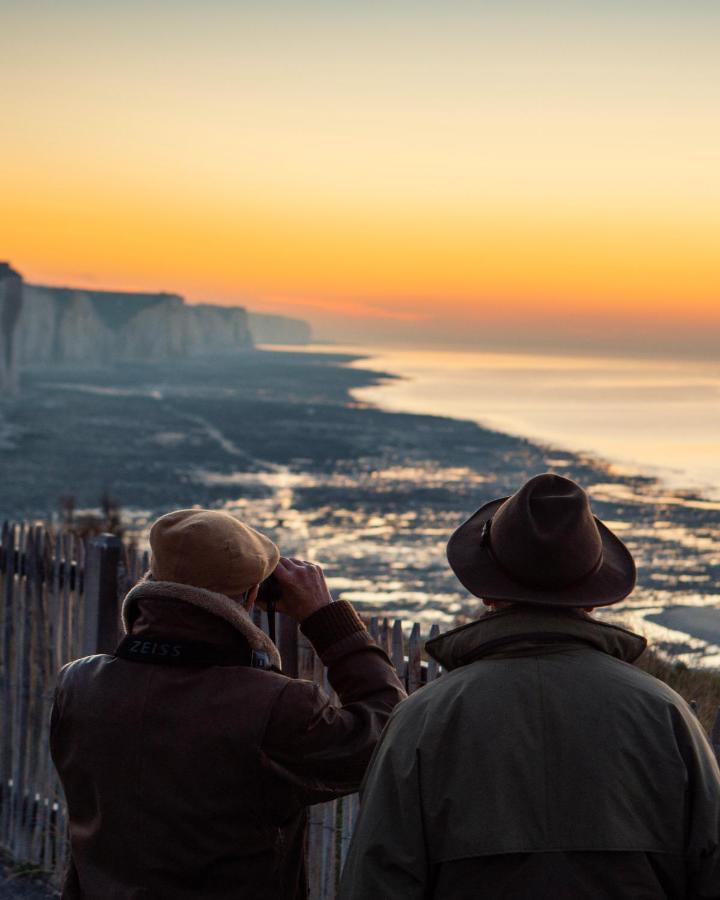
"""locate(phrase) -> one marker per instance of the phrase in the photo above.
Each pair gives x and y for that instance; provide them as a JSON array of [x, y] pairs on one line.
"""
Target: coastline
[[689, 632], [654, 418], [278, 438]]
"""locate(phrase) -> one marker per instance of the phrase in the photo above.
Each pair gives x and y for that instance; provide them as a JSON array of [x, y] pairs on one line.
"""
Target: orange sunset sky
[[410, 169]]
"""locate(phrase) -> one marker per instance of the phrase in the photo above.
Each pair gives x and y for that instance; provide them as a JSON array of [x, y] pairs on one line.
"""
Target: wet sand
[[277, 438], [702, 623]]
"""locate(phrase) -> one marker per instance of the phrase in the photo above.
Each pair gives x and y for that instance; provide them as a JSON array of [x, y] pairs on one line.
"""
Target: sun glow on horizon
[[387, 165]]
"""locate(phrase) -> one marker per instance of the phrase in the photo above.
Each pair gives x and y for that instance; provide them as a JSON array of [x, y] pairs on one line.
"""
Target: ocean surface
[[652, 425], [369, 473], [657, 417]]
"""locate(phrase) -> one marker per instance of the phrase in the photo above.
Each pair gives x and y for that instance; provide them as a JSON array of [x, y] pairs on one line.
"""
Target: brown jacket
[[191, 781]]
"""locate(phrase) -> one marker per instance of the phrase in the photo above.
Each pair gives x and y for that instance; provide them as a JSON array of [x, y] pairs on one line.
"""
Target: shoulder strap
[[166, 651]]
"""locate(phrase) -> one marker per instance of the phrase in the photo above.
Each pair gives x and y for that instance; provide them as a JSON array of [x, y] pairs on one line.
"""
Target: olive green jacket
[[542, 747]]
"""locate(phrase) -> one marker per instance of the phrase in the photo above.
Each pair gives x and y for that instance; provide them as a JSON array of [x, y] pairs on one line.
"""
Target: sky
[[402, 170]]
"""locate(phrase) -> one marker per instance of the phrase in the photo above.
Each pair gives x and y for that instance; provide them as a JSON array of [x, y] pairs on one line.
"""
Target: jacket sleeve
[[313, 748], [387, 857], [703, 811]]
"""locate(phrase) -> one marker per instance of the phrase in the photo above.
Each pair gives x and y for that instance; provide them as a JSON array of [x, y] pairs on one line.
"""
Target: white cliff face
[[268, 329], [222, 327], [155, 332], [77, 338], [59, 326], [35, 334], [10, 305], [42, 326]]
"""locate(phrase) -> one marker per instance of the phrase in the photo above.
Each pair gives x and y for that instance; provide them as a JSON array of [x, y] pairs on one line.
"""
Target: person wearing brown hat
[[542, 764], [187, 757]]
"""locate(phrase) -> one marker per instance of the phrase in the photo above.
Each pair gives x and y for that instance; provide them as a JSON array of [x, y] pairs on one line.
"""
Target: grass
[[697, 686], [24, 880], [25, 870]]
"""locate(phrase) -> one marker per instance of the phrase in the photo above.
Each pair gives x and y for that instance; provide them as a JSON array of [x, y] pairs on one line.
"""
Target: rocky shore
[[373, 495]]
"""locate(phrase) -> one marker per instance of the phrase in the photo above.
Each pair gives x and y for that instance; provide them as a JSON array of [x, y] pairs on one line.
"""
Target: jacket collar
[[148, 600], [524, 630]]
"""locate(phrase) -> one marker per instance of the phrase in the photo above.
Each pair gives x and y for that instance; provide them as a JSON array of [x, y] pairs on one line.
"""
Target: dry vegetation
[[697, 686]]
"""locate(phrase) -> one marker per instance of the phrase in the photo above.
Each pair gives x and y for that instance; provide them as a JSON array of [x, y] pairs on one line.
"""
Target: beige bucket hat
[[210, 549]]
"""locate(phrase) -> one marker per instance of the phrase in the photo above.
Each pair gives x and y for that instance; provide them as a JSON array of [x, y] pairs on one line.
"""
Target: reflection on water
[[658, 416], [629, 494], [431, 474], [661, 416], [387, 555], [374, 497], [687, 631]]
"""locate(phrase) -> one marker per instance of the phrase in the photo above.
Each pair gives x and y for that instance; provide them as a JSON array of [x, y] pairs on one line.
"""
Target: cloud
[[348, 309]]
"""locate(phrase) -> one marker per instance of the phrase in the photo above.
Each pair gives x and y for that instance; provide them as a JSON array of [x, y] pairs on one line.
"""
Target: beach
[[642, 416], [291, 442], [656, 416]]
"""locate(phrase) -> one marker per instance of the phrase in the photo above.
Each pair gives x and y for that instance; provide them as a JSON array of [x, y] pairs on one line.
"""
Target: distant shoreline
[[277, 438], [699, 623], [691, 470]]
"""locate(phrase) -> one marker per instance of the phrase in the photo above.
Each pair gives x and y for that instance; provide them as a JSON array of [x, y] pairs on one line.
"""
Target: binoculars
[[268, 595]]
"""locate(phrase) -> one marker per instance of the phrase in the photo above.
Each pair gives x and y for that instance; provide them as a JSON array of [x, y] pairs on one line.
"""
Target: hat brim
[[477, 570]]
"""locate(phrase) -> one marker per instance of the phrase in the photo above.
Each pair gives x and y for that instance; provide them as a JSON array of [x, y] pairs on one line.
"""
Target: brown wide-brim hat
[[542, 545]]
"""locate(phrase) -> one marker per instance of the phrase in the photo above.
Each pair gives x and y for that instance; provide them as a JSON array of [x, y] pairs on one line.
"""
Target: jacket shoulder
[[648, 683], [653, 691], [491, 681], [428, 703], [80, 668], [105, 669]]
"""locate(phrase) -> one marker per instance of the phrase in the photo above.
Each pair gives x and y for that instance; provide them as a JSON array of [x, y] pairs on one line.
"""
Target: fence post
[[414, 664], [433, 668], [102, 612], [715, 736]]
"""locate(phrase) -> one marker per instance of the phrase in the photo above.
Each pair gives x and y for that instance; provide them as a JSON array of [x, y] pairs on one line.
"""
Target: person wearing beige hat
[[542, 764], [187, 757]]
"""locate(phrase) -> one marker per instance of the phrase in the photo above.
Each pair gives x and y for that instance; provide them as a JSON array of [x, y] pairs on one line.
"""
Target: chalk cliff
[[63, 325], [41, 325], [268, 329], [10, 305]]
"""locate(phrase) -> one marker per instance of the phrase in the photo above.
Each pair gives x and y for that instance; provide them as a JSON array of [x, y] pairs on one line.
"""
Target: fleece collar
[[524, 630], [215, 604]]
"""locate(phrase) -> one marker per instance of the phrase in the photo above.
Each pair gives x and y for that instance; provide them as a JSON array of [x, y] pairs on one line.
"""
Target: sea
[[373, 497], [647, 417]]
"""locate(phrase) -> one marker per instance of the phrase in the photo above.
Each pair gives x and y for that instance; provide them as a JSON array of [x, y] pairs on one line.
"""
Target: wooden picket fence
[[330, 825], [60, 601], [45, 621]]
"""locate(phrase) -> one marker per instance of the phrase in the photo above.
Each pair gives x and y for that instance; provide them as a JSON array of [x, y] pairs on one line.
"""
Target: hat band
[[486, 543]]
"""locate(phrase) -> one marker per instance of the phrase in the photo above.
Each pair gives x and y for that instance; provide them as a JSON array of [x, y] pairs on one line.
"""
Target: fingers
[[290, 562], [303, 587], [291, 568], [302, 562]]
